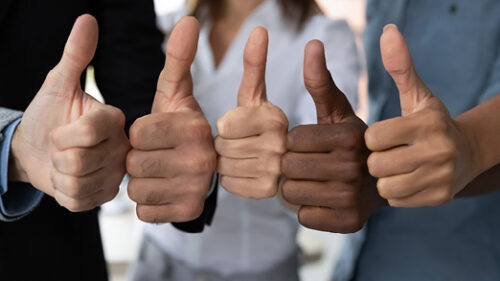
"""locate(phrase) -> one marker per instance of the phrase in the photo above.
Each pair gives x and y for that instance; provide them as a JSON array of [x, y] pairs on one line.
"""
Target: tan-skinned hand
[[173, 156], [422, 158]]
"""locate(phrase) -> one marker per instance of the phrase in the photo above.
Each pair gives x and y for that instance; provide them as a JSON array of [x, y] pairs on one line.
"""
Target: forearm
[[481, 125]]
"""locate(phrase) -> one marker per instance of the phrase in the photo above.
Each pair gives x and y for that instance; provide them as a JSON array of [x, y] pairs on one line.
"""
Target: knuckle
[[288, 190], [383, 188], [353, 171], [372, 163], [75, 206], [268, 188], [118, 115], [198, 129], [437, 120], [137, 130], [371, 136], [132, 162], [352, 138], [442, 196], [202, 163], [145, 216], [89, 133], [191, 211], [271, 166], [354, 222]]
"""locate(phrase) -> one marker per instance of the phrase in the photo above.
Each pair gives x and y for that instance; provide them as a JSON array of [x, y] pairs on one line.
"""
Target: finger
[[169, 163], [331, 104], [253, 85], [180, 212], [332, 220], [167, 130], [151, 191], [320, 194], [391, 133], [90, 129], [175, 84], [249, 168], [426, 198], [251, 147], [88, 203], [239, 148], [254, 188], [395, 161], [79, 49], [242, 122], [83, 187], [323, 138], [405, 185], [81, 161], [398, 62], [320, 167]]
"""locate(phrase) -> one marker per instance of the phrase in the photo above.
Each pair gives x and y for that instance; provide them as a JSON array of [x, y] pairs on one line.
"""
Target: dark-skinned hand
[[325, 166]]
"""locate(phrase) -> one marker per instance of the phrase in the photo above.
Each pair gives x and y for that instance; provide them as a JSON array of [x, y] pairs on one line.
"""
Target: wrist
[[476, 159], [16, 171]]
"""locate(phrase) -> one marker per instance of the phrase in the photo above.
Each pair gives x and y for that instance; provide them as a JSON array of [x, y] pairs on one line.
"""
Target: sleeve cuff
[[20, 199]]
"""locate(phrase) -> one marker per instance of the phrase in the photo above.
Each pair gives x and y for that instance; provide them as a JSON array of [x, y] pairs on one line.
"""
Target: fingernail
[[390, 26]]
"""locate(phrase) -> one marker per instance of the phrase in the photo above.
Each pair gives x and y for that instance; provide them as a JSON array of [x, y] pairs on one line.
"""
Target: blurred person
[[421, 158], [248, 239], [61, 138]]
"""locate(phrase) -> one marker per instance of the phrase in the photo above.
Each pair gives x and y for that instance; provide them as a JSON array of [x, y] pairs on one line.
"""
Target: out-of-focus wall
[[353, 11]]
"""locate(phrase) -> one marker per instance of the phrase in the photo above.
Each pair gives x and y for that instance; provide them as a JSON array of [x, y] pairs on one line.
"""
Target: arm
[[425, 157], [18, 200]]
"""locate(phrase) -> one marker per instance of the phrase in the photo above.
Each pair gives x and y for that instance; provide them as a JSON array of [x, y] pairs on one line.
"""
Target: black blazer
[[52, 243]]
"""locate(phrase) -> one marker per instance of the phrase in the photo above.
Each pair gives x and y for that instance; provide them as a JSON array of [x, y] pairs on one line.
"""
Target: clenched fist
[[325, 166], [252, 136], [422, 158], [173, 156], [68, 144]]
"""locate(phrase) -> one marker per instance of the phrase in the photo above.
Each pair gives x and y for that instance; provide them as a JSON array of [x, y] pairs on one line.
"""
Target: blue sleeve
[[22, 199]]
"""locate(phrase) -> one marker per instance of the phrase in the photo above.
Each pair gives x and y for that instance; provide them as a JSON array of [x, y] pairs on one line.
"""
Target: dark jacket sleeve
[[127, 64]]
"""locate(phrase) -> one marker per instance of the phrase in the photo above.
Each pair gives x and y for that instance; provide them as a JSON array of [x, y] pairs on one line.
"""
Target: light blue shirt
[[455, 45], [20, 200]]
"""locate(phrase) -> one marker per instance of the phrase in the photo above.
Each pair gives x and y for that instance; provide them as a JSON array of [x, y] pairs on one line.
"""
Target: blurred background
[[120, 227]]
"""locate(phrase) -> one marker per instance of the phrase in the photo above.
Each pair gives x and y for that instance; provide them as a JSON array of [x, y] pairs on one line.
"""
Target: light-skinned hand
[[68, 144], [252, 136]]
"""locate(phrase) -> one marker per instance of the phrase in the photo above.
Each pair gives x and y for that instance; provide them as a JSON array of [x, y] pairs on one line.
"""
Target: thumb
[[331, 104], [175, 84], [253, 84], [79, 49], [398, 62]]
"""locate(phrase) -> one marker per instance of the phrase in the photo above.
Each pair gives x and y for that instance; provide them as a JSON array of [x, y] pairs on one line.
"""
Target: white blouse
[[254, 235]]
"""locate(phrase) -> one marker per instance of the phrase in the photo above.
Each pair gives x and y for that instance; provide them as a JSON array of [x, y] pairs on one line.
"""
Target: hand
[[68, 144], [422, 158], [173, 156], [326, 163], [252, 136]]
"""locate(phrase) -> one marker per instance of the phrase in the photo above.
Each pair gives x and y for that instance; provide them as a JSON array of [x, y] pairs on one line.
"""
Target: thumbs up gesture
[[325, 165], [421, 158], [173, 157], [252, 136], [68, 144]]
